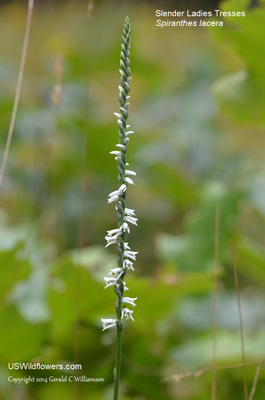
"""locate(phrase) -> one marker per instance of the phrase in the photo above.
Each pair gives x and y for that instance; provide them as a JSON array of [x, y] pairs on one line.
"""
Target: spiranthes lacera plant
[[125, 215]]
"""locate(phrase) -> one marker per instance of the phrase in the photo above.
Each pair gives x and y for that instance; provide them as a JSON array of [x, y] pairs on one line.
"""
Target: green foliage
[[244, 37], [15, 334], [197, 110]]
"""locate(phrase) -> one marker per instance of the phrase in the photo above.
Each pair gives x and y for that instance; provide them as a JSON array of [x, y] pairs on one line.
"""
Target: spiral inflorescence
[[125, 215]]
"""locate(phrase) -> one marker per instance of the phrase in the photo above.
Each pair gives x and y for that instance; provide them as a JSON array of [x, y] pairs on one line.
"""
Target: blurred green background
[[197, 109]]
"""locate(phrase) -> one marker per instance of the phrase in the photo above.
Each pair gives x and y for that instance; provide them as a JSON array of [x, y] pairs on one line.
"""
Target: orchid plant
[[125, 215]]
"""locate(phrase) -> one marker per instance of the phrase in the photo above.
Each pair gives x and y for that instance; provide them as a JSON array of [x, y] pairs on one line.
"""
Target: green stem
[[117, 370]]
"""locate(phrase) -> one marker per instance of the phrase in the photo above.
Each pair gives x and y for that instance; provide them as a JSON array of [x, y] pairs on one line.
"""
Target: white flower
[[113, 198], [132, 220], [113, 231], [127, 313], [115, 193], [124, 228], [108, 323], [130, 212], [110, 281], [129, 180], [128, 264], [122, 188], [115, 271], [128, 133], [131, 254], [121, 146], [124, 111], [110, 241], [112, 236], [129, 300], [116, 153], [118, 192], [128, 172], [121, 89]]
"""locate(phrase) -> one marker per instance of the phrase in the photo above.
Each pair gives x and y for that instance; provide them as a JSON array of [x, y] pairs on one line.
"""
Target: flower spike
[[125, 215]]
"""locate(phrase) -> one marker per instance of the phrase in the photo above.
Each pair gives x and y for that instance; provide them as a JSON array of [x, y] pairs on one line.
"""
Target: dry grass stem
[[216, 264], [255, 382], [240, 320], [18, 88], [199, 373]]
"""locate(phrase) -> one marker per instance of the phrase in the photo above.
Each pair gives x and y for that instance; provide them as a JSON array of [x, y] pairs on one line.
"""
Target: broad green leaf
[[251, 260], [22, 340], [13, 269]]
